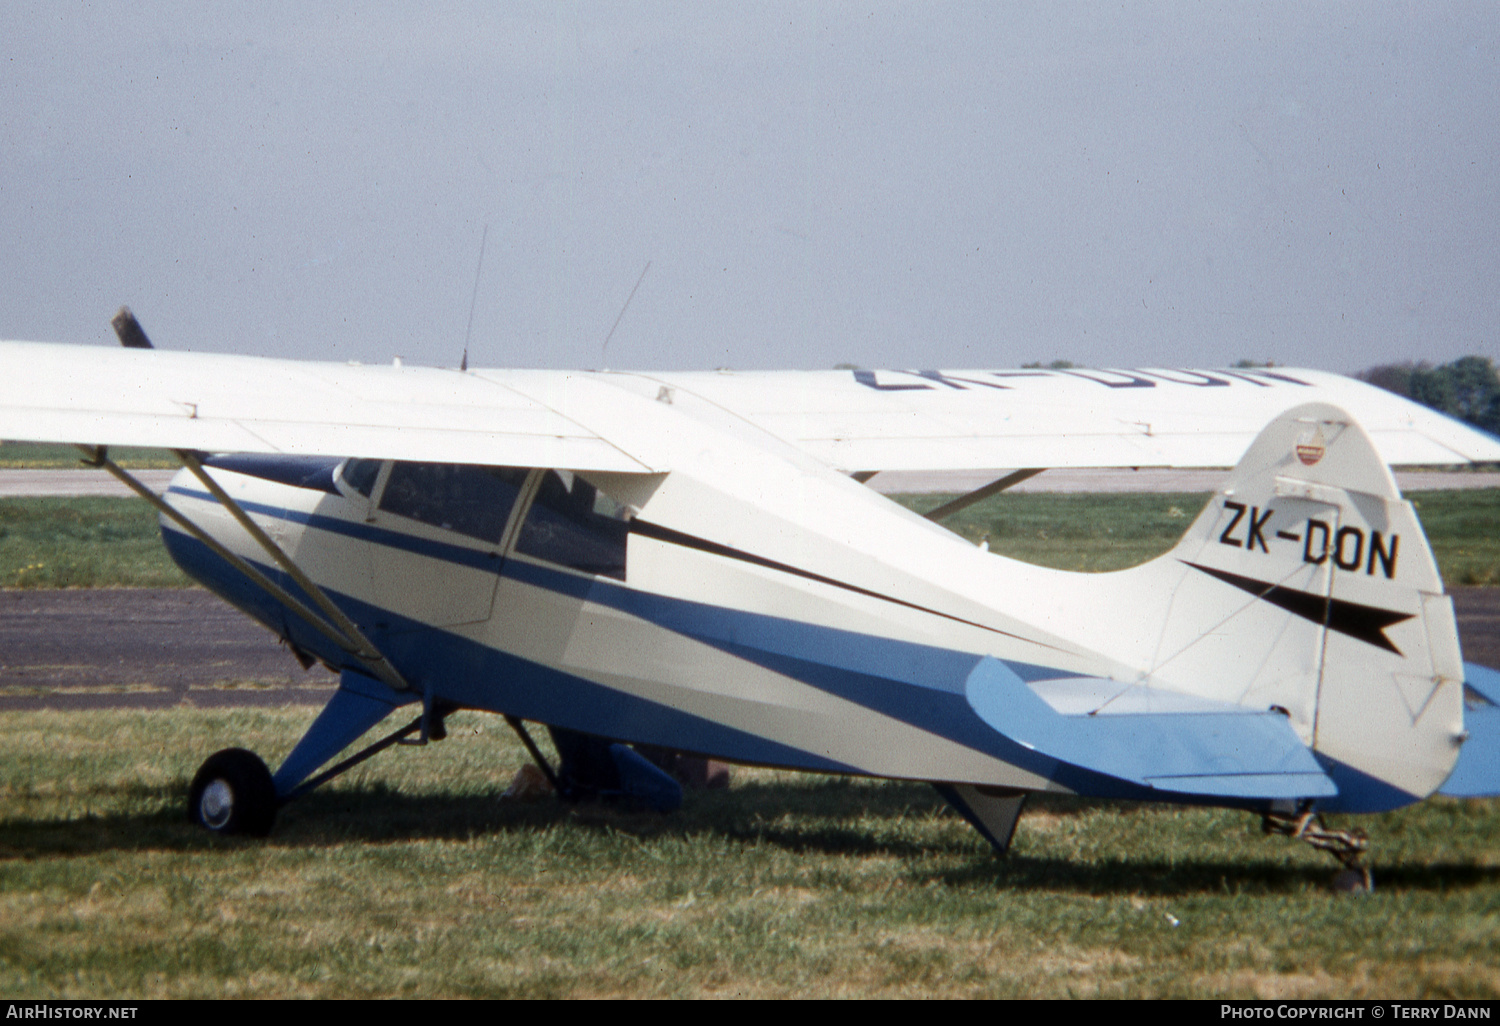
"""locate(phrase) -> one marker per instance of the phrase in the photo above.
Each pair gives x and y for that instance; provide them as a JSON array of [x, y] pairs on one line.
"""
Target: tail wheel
[[233, 794]]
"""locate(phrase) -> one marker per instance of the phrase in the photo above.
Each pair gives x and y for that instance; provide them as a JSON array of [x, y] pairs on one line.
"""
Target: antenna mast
[[623, 309], [463, 364]]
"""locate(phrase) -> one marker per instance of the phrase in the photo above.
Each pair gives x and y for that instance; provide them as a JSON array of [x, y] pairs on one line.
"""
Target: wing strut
[[947, 509], [337, 627]]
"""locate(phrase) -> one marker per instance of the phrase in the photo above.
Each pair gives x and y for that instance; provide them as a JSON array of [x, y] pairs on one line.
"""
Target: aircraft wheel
[[1353, 881], [233, 794]]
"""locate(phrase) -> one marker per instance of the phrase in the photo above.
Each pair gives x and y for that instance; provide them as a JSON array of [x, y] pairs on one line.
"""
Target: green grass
[[1072, 532], [1464, 528], [72, 543], [1111, 532], [49, 456], [83, 543], [411, 877]]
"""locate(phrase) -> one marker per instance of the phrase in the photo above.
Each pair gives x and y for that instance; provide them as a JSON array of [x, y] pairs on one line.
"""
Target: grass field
[[81, 543], [1111, 532], [411, 877], [44, 455]]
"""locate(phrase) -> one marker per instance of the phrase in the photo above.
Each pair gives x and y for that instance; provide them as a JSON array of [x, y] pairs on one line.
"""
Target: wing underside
[[217, 403], [849, 421], [982, 420]]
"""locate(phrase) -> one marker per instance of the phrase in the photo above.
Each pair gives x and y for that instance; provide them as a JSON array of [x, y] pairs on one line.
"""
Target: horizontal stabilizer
[[1148, 737], [1477, 772]]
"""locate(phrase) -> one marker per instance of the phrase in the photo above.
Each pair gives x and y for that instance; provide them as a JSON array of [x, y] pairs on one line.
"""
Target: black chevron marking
[[673, 537], [1364, 623]]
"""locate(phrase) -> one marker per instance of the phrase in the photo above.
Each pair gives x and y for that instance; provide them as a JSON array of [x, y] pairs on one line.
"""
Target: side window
[[572, 523], [360, 475], [475, 501]]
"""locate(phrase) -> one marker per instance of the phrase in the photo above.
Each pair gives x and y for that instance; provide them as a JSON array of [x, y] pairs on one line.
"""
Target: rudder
[[1307, 585]]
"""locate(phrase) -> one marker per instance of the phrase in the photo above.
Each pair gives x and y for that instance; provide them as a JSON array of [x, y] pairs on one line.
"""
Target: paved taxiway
[[143, 648], [152, 648]]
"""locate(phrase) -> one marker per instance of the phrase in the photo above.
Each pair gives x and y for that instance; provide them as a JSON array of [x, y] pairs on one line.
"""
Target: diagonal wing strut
[[980, 494], [333, 624]]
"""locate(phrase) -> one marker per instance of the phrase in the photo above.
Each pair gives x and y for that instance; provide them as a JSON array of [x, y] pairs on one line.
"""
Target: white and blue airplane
[[694, 562]]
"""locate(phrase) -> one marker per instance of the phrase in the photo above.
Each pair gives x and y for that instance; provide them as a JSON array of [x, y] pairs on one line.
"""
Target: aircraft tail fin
[[1307, 586]]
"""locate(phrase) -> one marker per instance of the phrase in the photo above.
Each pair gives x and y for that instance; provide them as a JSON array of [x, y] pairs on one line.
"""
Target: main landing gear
[[233, 793]]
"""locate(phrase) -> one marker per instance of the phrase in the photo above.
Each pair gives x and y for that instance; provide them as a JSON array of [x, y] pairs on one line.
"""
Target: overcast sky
[[892, 185]]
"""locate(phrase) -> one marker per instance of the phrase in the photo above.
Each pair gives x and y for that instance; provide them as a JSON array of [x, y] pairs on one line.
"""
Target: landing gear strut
[[233, 794], [1345, 845]]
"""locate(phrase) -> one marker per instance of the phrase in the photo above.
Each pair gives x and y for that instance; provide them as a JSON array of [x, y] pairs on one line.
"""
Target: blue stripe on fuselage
[[475, 676], [917, 684], [924, 666]]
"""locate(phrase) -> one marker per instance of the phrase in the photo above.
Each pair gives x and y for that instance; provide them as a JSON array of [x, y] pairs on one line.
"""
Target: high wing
[[679, 561], [219, 403], [979, 420], [846, 420]]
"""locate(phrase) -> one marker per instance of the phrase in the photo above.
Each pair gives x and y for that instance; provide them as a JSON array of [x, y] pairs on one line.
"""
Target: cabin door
[[437, 532]]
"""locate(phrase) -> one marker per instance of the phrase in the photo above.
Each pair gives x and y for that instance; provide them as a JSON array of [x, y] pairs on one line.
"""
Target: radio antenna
[[623, 309], [463, 364]]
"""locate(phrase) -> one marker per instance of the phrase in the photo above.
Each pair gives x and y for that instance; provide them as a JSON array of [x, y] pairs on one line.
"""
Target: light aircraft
[[694, 562]]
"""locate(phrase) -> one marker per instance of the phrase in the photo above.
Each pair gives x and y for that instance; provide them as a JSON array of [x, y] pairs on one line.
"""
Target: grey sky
[[893, 185]]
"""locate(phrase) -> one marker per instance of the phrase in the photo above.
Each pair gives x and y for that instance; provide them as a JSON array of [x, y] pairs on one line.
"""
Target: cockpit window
[[471, 500], [360, 475], [572, 523]]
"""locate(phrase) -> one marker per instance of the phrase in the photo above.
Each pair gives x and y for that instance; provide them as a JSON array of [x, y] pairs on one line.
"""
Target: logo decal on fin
[[1311, 447], [1363, 623]]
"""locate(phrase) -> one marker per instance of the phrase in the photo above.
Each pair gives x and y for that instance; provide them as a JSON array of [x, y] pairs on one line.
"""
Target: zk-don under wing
[[588, 420]]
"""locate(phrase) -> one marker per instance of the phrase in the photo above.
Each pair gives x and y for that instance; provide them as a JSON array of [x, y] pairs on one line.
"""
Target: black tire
[[233, 794]]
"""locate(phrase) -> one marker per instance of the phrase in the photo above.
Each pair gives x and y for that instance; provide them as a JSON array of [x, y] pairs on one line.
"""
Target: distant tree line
[[1468, 388]]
